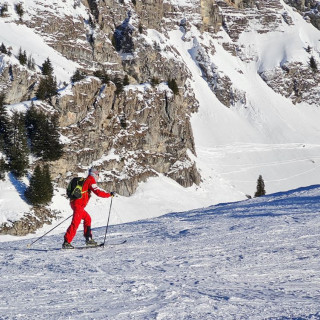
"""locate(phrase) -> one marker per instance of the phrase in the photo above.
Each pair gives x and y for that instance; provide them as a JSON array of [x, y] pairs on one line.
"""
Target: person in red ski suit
[[79, 212]]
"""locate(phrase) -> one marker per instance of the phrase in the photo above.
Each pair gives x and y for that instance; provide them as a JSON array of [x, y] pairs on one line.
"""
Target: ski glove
[[112, 194]]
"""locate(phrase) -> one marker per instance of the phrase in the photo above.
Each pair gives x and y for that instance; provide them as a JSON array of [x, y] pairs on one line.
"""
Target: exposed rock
[[143, 131], [295, 81], [17, 82], [29, 223]]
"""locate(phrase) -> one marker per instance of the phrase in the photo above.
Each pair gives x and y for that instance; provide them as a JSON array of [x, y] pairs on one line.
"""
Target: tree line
[[24, 134]]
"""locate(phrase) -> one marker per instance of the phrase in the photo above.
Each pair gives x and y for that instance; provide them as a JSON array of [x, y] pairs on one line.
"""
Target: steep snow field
[[255, 259]]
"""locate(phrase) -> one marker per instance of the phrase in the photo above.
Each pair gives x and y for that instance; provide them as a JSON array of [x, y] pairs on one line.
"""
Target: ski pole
[[29, 245], [105, 236]]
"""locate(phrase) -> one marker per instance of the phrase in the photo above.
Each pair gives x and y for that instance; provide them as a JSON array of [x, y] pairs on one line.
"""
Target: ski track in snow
[[255, 259]]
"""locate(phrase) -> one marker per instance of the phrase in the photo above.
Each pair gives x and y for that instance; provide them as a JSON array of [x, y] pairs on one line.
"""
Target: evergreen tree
[[47, 88], [4, 123], [22, 57], [3, 10], [31, 63], [78, 76], [154, 82], [44, 135], [47, 69], [119, 85], [172, 84], [260, 187], [53, 148], [3, 49], [126, 80], [313, 64], [102, 75], [19, 9], [47, 187], [17, 151], [40, 190], [3, 168]]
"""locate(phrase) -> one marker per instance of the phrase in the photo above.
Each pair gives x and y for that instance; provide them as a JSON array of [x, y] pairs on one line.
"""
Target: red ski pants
[[78, 214]]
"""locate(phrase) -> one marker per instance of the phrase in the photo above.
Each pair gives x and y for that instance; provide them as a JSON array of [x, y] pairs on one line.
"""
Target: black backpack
[[74, 189]]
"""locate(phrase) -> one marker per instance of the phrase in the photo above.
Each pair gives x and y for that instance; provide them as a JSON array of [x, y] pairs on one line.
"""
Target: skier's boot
[[67, 245], [91, 242]]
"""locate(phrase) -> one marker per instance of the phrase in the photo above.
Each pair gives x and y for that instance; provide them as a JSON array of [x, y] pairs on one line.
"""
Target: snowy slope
[[255, 259], [268, 136]]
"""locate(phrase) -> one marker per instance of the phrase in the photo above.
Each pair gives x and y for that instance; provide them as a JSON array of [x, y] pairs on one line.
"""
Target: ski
[[96, 246]]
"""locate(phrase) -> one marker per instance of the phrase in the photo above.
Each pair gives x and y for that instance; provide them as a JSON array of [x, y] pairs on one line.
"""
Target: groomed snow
[[255, 259]]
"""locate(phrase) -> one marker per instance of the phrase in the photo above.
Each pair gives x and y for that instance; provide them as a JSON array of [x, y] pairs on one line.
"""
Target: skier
[[79, 212]]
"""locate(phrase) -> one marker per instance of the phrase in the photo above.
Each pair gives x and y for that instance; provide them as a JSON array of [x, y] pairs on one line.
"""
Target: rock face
[[139, 133], [17, 81]]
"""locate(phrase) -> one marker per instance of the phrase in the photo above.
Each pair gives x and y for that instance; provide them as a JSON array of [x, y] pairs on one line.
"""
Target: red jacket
[[89, 186]]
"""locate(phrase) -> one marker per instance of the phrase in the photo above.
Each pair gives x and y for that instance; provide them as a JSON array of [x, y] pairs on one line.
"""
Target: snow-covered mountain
[[254, 259], [247, 103]]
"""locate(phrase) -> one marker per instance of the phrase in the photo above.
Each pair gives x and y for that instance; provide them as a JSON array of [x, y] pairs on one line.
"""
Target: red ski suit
[[78, 206]]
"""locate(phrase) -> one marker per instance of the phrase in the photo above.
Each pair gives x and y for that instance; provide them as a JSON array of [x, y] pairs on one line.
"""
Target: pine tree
[[17, 151], [47, 187], [3, 168], [47, 69], [119, 85], [126, 81], [19, 9], [260, 187], [102, 75], [313, 64], [4, 123], [47, 88], [78, 76], [3, 49], [31, 63], [172, 84], [154, 81], [53, 148], [44, 135], [3, 10], [22, 57], [40, 190]]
